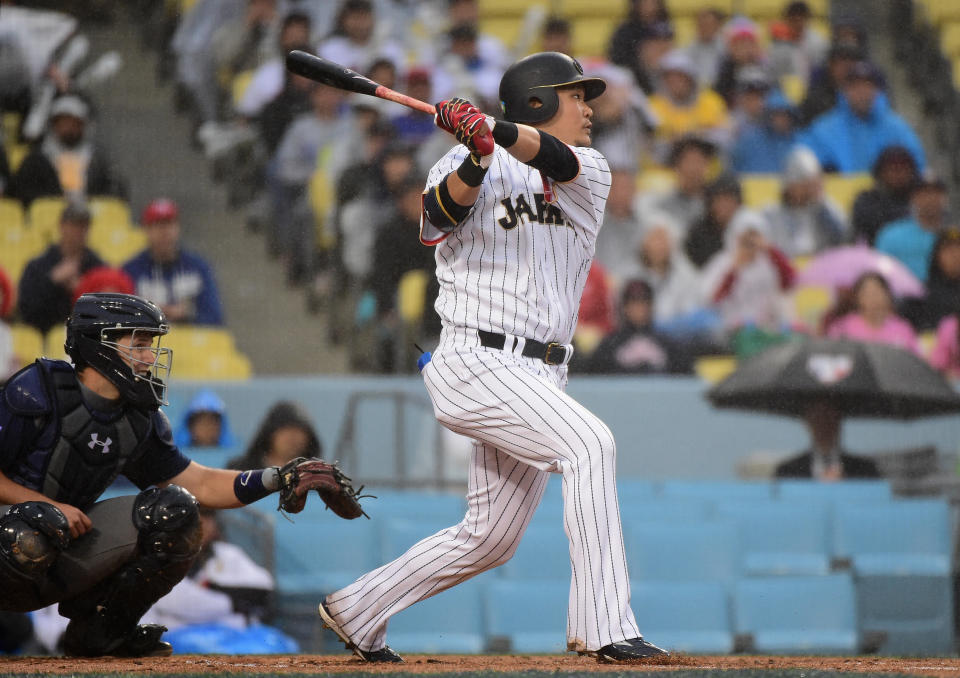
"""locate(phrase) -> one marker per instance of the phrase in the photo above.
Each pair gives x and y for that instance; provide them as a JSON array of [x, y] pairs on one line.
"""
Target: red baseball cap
[[161, 209]]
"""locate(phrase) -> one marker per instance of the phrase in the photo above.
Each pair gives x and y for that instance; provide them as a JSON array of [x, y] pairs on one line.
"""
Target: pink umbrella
[[841, 266]]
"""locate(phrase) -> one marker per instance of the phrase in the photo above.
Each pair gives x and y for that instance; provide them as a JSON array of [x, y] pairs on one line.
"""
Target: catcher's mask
[[118, 335]]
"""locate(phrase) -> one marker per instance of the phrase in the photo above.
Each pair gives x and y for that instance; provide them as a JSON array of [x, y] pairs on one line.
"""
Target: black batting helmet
[[97, 321], [528, 88]]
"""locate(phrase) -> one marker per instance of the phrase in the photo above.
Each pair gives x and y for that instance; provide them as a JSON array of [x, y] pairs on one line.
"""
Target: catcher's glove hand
[[299, 476]]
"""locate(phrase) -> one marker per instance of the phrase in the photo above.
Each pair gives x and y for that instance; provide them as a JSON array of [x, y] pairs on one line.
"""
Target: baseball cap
[[161, 209], [930, 180], [678, 61], [753, 79], [70, 105]]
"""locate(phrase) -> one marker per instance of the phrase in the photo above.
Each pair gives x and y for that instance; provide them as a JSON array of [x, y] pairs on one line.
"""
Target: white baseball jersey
[[516, 265]]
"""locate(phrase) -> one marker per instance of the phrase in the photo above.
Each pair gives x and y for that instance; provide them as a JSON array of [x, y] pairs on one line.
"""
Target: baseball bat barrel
[[334, 75]]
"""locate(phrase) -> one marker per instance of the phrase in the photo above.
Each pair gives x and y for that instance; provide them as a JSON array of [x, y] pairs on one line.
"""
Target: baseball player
[[514, 213], [66, 432]]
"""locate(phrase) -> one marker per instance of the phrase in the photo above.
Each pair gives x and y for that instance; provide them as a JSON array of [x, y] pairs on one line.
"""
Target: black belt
[[552, 353]]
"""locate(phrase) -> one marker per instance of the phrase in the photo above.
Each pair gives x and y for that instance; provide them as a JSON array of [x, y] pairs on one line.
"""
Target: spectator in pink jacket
[[873, 317], [945, 355]]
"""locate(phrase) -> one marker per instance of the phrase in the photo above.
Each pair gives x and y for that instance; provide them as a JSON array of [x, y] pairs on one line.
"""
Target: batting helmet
[[528, 88], [97, 321]]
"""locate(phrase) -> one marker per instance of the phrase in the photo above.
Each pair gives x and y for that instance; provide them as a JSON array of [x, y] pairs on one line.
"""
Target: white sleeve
[[585, 196]]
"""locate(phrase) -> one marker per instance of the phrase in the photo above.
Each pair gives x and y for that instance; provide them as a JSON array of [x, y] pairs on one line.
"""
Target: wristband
[[251, 486], [505, 133], [471, 171]]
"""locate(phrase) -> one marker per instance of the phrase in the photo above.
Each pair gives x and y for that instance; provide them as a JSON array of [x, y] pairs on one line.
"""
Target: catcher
[[66, 432]]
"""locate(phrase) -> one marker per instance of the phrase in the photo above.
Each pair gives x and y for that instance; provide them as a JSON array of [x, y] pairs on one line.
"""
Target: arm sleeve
[[555, 159]]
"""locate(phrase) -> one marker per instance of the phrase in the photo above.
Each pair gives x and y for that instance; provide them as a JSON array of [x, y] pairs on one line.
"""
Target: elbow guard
[[441, 209]]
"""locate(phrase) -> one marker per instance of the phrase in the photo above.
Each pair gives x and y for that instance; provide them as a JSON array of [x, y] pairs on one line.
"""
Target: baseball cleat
[[628, 650], [143, 641], [383, 655]]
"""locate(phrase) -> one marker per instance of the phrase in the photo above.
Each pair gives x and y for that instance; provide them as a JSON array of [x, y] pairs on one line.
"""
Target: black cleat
[[632, 649], [144, 641], [383, 655]]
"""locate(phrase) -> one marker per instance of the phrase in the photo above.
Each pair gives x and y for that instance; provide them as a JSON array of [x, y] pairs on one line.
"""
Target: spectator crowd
[[701, 109]]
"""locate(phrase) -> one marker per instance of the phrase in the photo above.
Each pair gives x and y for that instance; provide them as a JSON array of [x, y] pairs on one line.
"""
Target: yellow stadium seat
[[200, 339], [505, 29], [927, 340], [809, 305], [15, 155], [793, 87], [411, 295], [502, 8], [587, 338], [574, 10], [679, 8], [591, 35], [942, 11], [760, 190], [232, 366], [685, 30], [27, 343], [11, 213], [110, 214], [11, 128], [43, 216], [956, 72], [843, 189], [950, 39], [53, 343], [239, 85], [655, 180], [772, 9], [118, 246], [714, 368], [18, 245]]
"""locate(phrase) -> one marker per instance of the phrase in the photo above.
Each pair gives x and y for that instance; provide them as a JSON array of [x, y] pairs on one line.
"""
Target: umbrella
[[841, 266], [860, 379]]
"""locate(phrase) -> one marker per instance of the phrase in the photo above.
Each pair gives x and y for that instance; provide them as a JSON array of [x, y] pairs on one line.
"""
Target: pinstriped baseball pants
[[524, 427]]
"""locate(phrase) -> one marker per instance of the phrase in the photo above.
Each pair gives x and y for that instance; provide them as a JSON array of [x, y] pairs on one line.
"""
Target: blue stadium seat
[[914, 613], [451, 621], [656, 510], [305, 560], [397, 535], [214, 457], [440, 506], [780, 537], [902, 537], [684, 616], [706, 551], [797, 614], [716, 490], [532, 616], [847, 491], [543, 554]]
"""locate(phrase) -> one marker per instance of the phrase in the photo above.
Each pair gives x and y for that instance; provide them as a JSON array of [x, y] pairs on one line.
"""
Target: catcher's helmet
[[534, 79], [97, 321]]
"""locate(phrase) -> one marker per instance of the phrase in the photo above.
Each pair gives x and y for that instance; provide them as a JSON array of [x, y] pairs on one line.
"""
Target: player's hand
[[467, 123], [79, 522]]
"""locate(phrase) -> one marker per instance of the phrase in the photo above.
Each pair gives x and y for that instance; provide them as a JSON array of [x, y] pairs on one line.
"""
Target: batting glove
[[467, 123]]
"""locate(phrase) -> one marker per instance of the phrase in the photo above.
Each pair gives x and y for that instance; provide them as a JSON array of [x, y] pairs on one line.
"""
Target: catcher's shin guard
[[103, 620]]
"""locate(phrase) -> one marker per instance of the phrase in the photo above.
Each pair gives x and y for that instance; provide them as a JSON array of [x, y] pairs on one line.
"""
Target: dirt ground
[[276, 664]]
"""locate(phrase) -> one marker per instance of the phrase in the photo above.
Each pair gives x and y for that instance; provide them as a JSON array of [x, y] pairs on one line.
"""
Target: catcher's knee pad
[[168, 522], [32, 534]]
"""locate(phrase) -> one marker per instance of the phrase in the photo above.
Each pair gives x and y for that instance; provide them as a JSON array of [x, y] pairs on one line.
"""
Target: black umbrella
[[860, 379]]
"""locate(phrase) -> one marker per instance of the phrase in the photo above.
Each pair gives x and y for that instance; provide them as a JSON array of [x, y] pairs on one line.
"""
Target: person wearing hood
[[635, 347], [724, 197], [747, 280], [284, 434], [851, 136], [806, 221], [763, 147], [67, 162], [205, 423], [682, 107], [178, 281], [895, 174]]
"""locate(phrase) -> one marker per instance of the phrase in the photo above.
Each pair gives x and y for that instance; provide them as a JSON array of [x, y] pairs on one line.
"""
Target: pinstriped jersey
[[518, 261]]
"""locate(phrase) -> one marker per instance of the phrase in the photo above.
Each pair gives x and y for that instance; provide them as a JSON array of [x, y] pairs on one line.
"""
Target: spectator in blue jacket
[[764, 146], [911, 238], [849, 137], [178, 281], [205, 423]]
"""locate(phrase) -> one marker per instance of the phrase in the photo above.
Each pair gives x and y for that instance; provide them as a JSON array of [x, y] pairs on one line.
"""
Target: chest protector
[[91, 448]]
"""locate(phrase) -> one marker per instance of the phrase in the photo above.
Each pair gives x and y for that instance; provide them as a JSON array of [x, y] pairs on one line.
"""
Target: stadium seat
[[451, 622], [810, 304], [843, 189], [397, 535], [804, 492], [797, 614], [200, 338], [713, 491], [239, 84], [213, 457], [760, 190], [659, 509], [685, 30], [15, 155], [899, 537], [527, 616], [577, 10], [411, 296], [762, 10], [767, 548], [43, 216], [27, 343], [53, 343], [684, 616], [591, 35], [655, 180], [543, 554], [17, 247], [214, 366], [679, 8], [950, 39], [311, 565], [703, 551], [942, 11], [793, 87], [502, 8], [505, 28], [446, 507], [10, 122], [117, 246], [914, 614], [109, 214], [713, 368]]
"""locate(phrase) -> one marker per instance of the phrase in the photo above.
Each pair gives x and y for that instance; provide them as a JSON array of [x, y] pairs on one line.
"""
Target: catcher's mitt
[[299, 476]]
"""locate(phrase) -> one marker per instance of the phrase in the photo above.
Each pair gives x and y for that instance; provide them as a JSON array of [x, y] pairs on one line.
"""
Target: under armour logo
[[105, 444]]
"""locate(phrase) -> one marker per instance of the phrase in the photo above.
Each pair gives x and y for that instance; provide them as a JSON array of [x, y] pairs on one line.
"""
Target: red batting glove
[[467, 123]]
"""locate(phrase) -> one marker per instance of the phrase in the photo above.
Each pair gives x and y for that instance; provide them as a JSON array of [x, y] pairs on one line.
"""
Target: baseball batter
[[514, 212]]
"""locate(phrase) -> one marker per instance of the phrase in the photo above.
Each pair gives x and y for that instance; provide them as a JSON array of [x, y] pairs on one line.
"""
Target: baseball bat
[[333, 74]]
